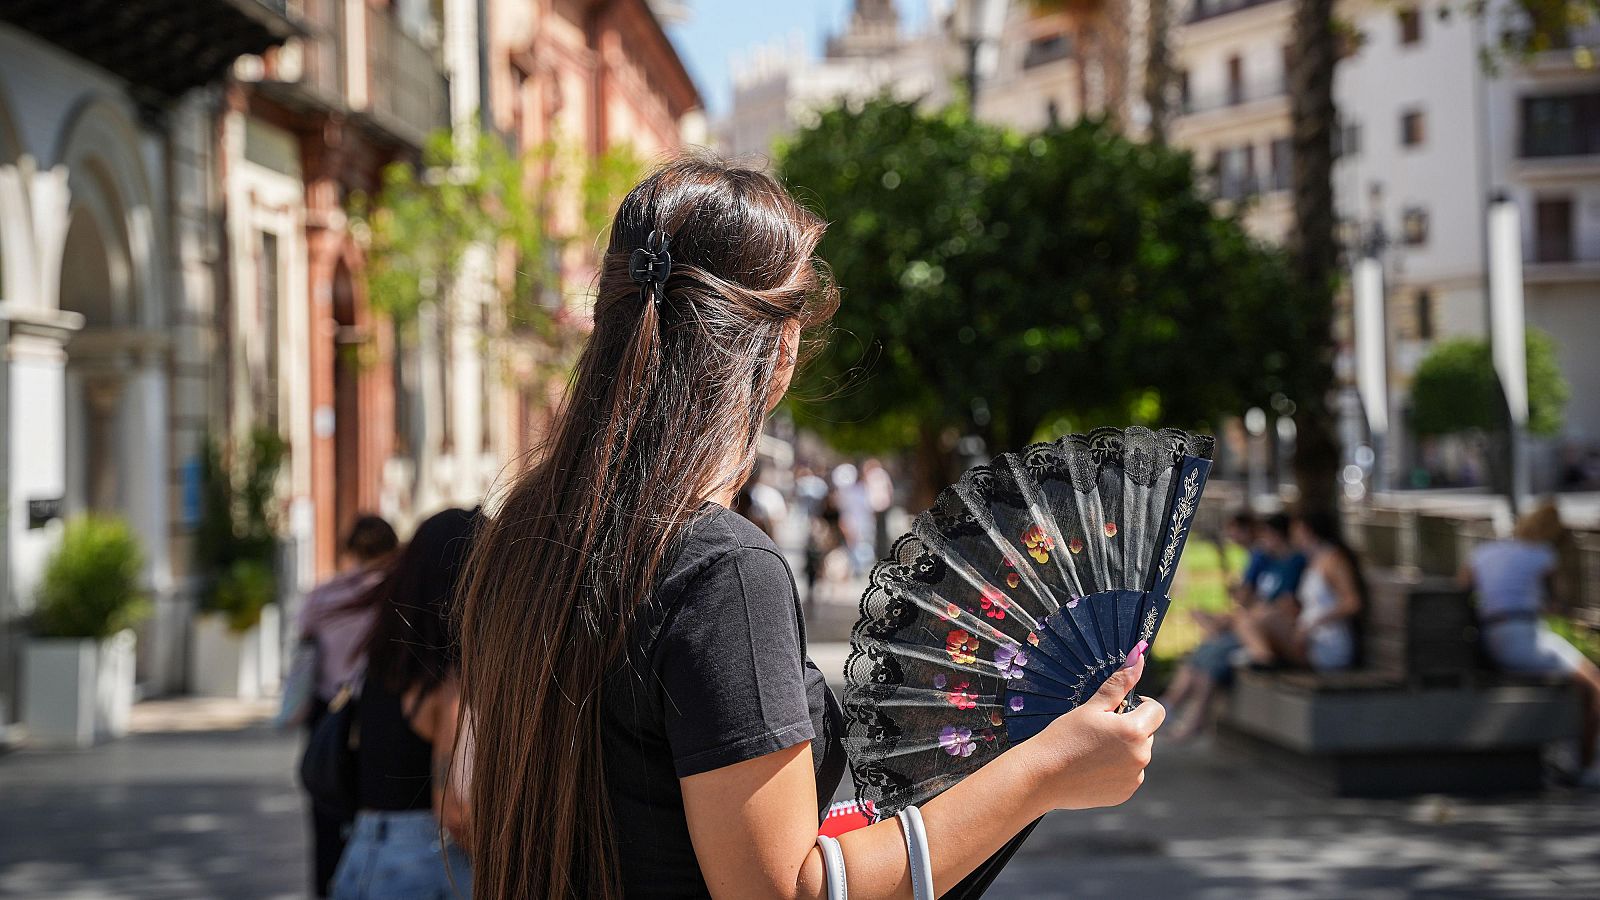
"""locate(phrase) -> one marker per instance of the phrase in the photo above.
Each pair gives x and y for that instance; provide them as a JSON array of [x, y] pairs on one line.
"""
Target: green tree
[[1455, 389], [1002, 285], [475, 191]]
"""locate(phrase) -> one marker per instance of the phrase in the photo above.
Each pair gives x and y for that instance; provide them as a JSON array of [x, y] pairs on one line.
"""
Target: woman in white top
[[1323, 634], [1512, 578]]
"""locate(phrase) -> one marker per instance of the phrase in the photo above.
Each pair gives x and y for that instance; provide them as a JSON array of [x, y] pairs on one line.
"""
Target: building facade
[[177, 262], [1427, 137], [107, 284]]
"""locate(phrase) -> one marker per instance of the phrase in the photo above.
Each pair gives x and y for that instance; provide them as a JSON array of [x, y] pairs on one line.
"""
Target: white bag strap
[[833, 868], [917, 853]]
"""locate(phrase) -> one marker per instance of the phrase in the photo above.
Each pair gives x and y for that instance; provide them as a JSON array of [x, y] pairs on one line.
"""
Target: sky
[[719, 29]]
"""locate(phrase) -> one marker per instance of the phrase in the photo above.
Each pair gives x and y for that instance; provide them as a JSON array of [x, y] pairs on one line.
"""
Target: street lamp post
[[1508, 336], [975, 22], [1371, 340]]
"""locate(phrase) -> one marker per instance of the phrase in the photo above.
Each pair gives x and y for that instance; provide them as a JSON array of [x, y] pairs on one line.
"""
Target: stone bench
[[1371, 734], [1426, 716]]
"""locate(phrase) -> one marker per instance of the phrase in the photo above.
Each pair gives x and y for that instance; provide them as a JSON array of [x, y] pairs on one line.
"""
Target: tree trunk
[[1313, 248], [1158, 68]]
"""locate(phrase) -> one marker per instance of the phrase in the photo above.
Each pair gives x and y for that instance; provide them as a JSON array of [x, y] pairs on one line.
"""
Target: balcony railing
[[401, 89], [1210, 9], [408, 91], [1237, 95], [1561, 125]]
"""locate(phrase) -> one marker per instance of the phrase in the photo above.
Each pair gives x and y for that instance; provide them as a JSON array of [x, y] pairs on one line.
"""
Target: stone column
[[33, 471]]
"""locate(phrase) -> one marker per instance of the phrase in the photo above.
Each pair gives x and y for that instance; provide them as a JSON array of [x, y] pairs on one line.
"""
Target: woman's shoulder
[[715, 533], [722, 553]]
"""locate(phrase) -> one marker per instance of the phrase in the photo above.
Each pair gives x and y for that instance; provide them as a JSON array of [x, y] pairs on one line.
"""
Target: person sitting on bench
[[1322, 633], [1272, 575], [1512, 579]]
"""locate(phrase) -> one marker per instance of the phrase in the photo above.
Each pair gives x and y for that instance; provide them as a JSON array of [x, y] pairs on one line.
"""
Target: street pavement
[[201, 803]]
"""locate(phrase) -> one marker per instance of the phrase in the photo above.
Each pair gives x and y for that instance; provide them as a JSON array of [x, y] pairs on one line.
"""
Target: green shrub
[[242, 591], [90, 587], [236, 542]]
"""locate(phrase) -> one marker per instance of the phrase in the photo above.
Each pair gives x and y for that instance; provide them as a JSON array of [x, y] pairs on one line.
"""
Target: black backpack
[[328, 767]]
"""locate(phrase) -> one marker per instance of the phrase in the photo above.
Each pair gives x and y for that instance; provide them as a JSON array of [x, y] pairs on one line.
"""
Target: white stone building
[[780, 87], [107, 252], [1427, 137]]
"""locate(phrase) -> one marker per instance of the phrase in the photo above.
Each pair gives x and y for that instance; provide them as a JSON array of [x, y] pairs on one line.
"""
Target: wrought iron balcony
[[162, 48]]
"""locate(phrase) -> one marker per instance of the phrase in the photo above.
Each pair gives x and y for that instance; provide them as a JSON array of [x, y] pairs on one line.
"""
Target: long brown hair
[[664, 410]]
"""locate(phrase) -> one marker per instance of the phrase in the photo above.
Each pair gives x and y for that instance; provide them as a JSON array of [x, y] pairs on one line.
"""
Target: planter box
[[77, 691], [226, 663]]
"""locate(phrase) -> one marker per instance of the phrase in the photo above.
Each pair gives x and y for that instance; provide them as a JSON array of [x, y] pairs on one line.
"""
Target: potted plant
[[78, 662], [235, 650]]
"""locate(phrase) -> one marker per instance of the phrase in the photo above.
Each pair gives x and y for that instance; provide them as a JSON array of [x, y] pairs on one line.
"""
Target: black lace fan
[[1011, 602]]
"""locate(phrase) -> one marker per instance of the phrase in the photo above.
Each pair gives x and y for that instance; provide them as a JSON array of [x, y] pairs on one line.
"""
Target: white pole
[[1507, 333], [1372, 361]]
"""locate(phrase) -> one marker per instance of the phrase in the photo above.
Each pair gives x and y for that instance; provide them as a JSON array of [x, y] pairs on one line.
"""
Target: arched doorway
[[94, 284], [101, 260]]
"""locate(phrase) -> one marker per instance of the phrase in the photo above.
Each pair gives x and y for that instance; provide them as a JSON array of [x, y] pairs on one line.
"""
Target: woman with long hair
[[405, 842], [644, 720]]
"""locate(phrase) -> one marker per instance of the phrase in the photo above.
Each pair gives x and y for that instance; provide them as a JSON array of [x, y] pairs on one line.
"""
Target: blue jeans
[[400, 855]]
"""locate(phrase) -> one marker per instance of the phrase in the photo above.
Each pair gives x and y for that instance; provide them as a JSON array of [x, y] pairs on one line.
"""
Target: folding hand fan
[[1011, 601]]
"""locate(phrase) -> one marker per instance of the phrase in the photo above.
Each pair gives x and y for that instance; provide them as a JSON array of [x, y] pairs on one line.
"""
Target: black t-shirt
[[717, 675]]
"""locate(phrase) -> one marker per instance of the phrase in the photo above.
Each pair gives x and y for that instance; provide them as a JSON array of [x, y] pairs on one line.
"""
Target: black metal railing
[[1561, 125], [1210, 9], [408, 91]]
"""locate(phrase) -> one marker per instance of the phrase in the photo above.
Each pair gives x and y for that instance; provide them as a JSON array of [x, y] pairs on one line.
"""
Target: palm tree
[[1313, 246]]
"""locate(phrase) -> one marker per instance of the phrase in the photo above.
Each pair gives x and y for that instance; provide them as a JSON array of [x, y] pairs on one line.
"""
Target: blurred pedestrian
[[880, 498], [1324, 634], [824, 540], [855, 516], [1513, 580], [407, 834], [1266, 590], [334, 622]]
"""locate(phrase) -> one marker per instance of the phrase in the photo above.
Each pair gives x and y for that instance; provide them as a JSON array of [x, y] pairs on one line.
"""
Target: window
[[1184, 96], [1552, 230], [1235, 172], [1288, 65], [1423, 310], [267, 302], [1347, 139], [1410, 20], [1412, 131], [1047, 49], [1414, 226], [1235, 81], [1563, 125], [1281, 160]]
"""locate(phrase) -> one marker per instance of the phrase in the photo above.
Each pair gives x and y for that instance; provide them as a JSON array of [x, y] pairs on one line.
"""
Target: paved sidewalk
[[201, 803]]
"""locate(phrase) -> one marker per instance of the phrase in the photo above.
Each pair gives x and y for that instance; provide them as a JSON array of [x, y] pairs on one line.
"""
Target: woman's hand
[[1095, 756]]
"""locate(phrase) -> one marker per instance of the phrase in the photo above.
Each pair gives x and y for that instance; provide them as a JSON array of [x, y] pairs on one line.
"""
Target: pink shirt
[[339, 630]]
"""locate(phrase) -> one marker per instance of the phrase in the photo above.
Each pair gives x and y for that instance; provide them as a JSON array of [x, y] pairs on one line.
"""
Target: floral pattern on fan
[[1011, 601]]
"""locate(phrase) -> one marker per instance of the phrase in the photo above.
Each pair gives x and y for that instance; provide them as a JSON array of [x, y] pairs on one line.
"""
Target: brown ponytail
[[664, 410]]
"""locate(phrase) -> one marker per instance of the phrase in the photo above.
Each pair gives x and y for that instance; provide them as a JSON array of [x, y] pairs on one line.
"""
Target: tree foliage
[[1455, 388], [1000, 285], [526, 207]]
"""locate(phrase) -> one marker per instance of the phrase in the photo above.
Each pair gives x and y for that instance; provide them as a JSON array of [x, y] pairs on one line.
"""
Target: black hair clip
[[651, 264]]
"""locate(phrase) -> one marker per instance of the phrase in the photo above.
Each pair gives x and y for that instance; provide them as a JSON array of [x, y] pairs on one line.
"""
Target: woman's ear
[[788, 357]]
